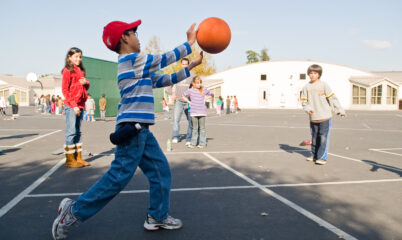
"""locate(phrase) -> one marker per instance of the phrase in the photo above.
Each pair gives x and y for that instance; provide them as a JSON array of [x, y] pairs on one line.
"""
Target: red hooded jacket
[[74, 93]]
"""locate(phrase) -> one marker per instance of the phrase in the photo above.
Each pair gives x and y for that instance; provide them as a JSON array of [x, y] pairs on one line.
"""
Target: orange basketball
[[213, 35]]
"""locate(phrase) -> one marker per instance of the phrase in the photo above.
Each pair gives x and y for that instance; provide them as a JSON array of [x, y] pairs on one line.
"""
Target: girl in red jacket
[[74, 88]]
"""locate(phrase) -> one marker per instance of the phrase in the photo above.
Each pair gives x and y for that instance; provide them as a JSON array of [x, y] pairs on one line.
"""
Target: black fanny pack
[[125, 132]]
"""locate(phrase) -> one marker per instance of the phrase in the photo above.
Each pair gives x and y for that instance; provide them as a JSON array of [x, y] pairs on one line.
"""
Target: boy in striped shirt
[[139, 148]]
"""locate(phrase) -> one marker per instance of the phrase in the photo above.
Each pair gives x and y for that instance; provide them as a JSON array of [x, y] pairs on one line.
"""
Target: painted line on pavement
[[228, 187], [361, 161], [42, 136], [224, 152], [285, 201], [293, 127], [29, 189], [378, 150]]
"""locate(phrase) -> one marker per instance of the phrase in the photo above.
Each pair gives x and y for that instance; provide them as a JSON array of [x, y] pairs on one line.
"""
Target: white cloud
[[377, 44]]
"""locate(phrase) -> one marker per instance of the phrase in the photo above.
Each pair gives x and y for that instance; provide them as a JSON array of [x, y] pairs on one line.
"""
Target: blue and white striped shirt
[[136, 77]]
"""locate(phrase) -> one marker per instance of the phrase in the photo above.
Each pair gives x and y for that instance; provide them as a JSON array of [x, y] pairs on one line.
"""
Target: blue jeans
[[73, 126], [199, 122], [178, 109], [320, 133], [141, 151]]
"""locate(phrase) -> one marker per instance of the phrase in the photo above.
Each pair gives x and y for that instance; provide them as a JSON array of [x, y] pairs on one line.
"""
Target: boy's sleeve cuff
[[188, 48], [187, 72]]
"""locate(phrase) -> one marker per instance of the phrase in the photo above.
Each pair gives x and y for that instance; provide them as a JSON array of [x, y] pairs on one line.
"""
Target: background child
[[165, 108], [102, 107], [136, 78], [74, 88], [90, 108], [198, 111], [3, 106], [219, 104], [317, 99]]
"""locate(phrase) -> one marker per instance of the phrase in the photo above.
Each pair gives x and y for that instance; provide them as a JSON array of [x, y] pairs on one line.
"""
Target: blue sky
[[35, 35]]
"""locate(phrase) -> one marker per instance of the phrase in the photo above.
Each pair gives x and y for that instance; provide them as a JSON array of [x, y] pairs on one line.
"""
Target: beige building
[[277, 84], [26, 91]]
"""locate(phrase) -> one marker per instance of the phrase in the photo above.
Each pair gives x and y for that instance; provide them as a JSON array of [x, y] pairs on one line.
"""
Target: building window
[[376, 93], [263, 77], [264, 95], [302, 76], [391, 95], [359, 95]]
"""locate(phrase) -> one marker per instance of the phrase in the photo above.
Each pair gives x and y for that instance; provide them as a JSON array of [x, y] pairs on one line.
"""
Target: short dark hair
[[315, 68], [185, 59], [127, 32]]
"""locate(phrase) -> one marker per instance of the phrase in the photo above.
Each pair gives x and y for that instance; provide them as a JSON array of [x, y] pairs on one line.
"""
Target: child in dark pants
[[318, 101], [136, 78]]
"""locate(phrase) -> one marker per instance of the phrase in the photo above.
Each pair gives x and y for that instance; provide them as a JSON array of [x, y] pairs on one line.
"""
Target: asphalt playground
[[252, 182]]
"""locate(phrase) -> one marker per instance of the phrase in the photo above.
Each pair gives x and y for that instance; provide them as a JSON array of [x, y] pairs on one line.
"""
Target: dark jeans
[[14, 108], [320, 139], [142, 151]]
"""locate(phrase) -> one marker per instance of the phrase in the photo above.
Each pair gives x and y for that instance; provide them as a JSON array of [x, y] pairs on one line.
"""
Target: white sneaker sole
[[57, 220], [154, 227], [320, 162]]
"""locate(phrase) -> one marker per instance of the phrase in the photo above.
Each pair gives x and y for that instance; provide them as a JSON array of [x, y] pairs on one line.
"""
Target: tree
[[252, 56], [153, 46], [264, 55], [207, 67]]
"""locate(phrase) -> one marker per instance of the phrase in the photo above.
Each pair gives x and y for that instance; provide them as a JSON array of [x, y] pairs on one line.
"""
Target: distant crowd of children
[[46, 104]]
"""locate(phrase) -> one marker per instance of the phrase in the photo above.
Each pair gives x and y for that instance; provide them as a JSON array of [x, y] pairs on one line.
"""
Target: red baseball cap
[[113, 31]]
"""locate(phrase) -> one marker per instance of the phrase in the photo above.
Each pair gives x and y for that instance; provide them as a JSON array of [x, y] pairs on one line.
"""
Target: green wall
[[103, 79]]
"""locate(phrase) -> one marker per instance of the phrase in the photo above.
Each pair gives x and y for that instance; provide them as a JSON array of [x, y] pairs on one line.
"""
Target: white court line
[[42, 136], [398, 115], [25, 130], [227, 187], [373, 164], [385, 149], [223, 152], [377, 150], [296, 207], [367, 126], [292, 127], [39, 137], [29, 189]]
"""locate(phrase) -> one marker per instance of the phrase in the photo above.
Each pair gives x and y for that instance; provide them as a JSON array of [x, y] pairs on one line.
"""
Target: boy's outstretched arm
[[159, 81], [145, 65]]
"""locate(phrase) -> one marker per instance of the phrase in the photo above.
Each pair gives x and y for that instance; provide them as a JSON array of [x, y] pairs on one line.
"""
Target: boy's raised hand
[[191, 34], [196, 62]]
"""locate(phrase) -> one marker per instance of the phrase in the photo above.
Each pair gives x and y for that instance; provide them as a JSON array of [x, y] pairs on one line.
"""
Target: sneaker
[[201, 146], [310, 159], [64, 220], [170, 223], [320, 162], [188, 144], [175, 140]]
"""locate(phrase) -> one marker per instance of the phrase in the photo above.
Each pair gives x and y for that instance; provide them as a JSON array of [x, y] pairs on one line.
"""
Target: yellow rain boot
[[78, 156], [69, 151]]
